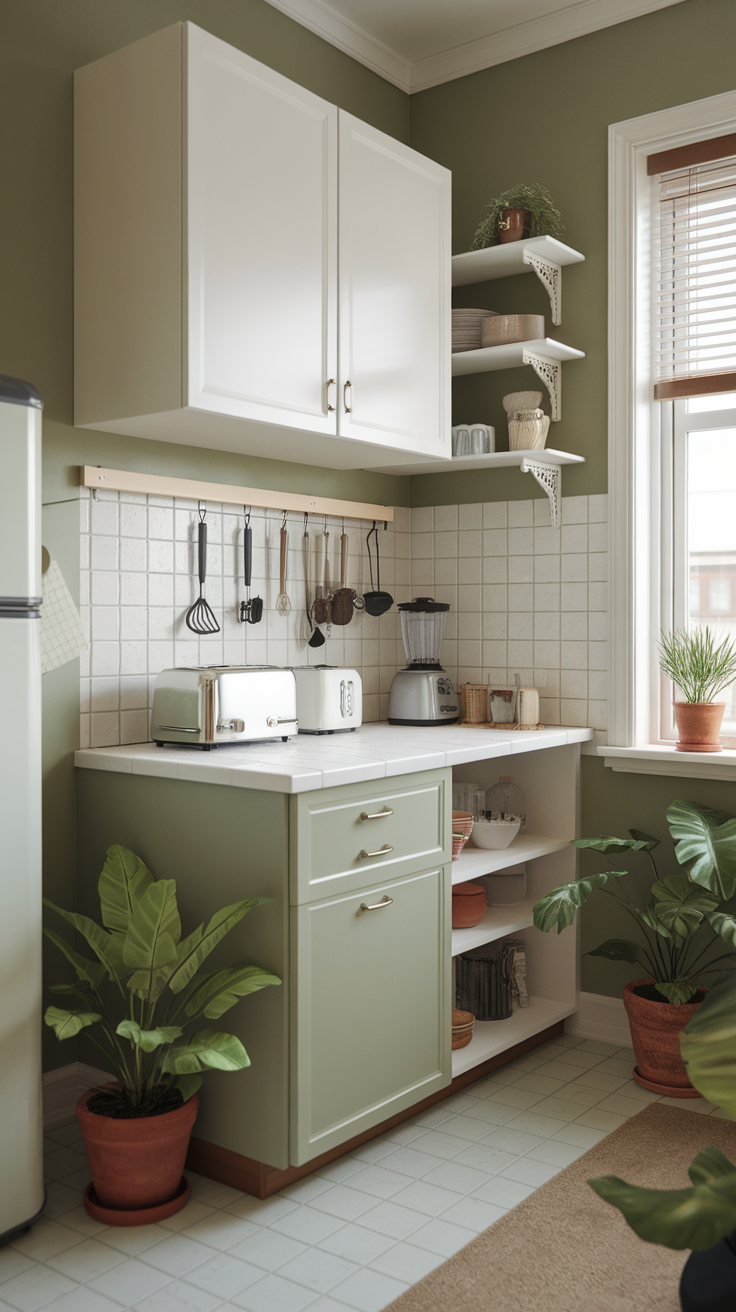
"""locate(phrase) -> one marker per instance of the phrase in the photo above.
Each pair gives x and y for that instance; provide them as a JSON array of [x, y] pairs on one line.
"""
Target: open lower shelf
[[496, 923], [511, 355], [492, 460], [503, 261], [494, 1036], [476, 861]]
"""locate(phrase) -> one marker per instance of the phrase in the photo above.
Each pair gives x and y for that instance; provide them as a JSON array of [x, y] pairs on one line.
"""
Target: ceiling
[[419, 43]]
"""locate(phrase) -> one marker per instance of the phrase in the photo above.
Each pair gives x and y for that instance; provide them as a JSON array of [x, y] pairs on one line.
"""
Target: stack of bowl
[[462, 828], [462, 1028]]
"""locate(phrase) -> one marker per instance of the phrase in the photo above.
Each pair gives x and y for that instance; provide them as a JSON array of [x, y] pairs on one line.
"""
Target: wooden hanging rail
[[121, 480]]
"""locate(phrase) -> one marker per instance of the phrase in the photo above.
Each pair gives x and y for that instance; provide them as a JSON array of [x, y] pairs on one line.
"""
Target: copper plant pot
[[137, 1164], [514, 225], [655, 1037], [699, 726]]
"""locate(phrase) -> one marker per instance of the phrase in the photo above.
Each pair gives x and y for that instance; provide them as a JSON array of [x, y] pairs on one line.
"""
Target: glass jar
[[505, 800]]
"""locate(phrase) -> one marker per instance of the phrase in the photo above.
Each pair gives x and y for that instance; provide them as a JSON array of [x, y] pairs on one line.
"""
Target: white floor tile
[[581, 1094], [327, 1304], [35, 1288], [378, 1182], [528, 1172], [559, 1108], [369, 1290], [69, 1133], [220, 1230], [261, 1211], [617, 1066], [513, 1097], [84, 1261], [189, 1215], [510, 1140], [356, 1244], [503, 1193], [576, 1058], [135, 1239], [274, 1294], [214, 1193], [541, 1084], [460, 1179], [474, 1214], [470, 1128], [130, 1282], [393, 1221], [45, 1239], [62, 1162], [483, 1158], [224, 1276], [620, 1105], [442, 1237], [431, 1199], [438, 1143], [406, 1262], [307, 1225], [344, 1203], [82, 1299], [318, 1270], [341, 1169], [305, 1190], [598, 1120], [598, 1079], [12, 1264], [633, 1090], [601, 1049], [374, 1150], [85, 1227], [176, 1255], [61, 1198], [267, 1249], [405, 1133], [555, 1153], [179, 1297], [490, 1111], [412, 1161], [579, 1135]]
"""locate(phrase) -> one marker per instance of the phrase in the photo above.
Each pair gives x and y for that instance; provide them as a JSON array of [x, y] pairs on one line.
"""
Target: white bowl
[[495, 833]]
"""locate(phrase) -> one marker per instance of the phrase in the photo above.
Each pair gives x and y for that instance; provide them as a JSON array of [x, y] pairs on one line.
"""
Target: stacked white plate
[[466, 328]]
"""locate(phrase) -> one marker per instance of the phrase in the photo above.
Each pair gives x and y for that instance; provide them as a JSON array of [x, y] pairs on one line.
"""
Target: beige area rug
[[563, 1249]]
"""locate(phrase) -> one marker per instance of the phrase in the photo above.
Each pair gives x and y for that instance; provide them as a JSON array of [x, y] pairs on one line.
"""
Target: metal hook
[[246, 513], [202, 508]]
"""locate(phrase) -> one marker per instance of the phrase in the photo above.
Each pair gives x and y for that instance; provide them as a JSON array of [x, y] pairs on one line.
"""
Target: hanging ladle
[[199, 617], [251, 611], [378, 602]]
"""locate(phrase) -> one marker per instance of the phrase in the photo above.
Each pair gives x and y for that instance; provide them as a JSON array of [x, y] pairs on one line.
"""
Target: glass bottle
[[505, 800]]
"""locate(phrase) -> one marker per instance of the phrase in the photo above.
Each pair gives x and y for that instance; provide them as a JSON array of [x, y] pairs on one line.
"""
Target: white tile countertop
[[309, 762]]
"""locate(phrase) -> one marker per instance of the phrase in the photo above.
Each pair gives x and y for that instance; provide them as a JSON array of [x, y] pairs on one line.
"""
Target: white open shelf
[[493, 1036], [507, 260], [497, 922], [493, 460], [476, 861], [511, 355]]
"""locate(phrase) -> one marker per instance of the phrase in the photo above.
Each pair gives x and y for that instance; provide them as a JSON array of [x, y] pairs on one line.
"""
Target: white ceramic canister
[[527, 706]]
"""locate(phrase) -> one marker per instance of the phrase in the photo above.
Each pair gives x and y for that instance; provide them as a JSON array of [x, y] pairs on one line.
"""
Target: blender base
[[427, 723]]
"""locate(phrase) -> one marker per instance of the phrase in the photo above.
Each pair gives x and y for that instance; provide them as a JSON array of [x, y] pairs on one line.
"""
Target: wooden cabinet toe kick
[[262, 1180]]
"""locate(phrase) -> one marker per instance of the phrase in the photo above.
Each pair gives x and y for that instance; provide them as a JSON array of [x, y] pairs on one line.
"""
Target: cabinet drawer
[[342, 837], [370, 1007]]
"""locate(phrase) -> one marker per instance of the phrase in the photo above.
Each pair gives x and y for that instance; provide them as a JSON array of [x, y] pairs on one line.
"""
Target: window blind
[[694, 279]]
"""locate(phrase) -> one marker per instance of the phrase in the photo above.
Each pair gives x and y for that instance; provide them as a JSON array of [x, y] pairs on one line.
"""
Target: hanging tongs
[[250, 611]]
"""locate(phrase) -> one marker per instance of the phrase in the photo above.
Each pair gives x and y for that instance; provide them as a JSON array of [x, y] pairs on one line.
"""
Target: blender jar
[[422, 630]]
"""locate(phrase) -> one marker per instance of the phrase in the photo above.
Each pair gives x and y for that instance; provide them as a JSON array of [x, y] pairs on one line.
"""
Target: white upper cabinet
[[209, 305]]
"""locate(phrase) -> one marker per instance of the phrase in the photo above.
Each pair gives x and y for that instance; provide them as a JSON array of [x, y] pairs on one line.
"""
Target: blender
[[422, 693]]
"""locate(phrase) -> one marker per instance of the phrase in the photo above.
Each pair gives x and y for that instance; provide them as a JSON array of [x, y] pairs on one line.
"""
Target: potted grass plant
[[680, 932], [700, 670], [140, 998], [523, 211], [703, 1217]]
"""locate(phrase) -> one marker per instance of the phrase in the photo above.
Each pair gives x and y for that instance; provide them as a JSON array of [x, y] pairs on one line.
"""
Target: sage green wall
[[545, 118], [41, 43]]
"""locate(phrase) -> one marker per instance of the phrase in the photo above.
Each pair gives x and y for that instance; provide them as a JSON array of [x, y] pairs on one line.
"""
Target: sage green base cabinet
[[360, 1028]]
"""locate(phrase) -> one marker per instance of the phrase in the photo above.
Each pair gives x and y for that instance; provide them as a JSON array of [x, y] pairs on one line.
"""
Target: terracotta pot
[[514, 225], [699, 724], [468, 905], [655, 1037], [137, 1164]]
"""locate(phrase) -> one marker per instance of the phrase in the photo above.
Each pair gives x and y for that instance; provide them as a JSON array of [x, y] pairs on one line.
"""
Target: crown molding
[[510, 43]]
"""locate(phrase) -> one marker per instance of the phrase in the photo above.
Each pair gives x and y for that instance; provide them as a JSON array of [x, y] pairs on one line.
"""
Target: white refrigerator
[[21, 1120]]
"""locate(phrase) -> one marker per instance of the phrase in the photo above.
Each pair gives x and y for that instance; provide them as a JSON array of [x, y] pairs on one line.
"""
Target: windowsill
[[663, 759]]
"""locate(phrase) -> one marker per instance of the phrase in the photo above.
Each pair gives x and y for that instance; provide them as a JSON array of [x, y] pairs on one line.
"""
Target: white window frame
[[639, 496]]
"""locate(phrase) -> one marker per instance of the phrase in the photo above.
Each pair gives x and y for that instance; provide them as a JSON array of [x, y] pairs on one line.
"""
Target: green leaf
[[559, 907], [199, 944], [99, 940], [677, 991], [148, 1040], [648, 843], [650, 918], [92, 972], [707, 847], [724, 925], [188, 1085], [607, 844], [220, 991], [679, 1218], [708, 1045], [153, 933], [66, 1024], [617, 949], [206, 1048], [680, 905], [121, 886]]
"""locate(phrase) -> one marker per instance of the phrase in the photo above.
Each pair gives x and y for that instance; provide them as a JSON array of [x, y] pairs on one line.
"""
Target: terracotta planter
[[699, 724], [655, 1037], [136, 1164], [514, 225]]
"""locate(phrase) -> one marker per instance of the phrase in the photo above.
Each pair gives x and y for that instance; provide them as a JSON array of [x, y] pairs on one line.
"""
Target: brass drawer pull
[[376, 906], [375, 815], [363, 856]]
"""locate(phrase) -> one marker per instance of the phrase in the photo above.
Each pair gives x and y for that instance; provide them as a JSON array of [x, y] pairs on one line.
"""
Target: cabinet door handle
[[375, 815], [330, 383], [348, 408], [382, 851], [386, 901]]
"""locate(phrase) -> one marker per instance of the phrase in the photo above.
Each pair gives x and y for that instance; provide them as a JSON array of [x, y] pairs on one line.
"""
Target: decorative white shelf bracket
[[550, 276], [549, 478], [550, 372]]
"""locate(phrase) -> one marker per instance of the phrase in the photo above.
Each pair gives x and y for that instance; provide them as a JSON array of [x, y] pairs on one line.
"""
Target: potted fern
[[524, 211], [139, 998], [700, 670], [680, 932]]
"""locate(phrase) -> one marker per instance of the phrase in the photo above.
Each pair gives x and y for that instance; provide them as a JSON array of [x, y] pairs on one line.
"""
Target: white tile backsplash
[[525, 597]]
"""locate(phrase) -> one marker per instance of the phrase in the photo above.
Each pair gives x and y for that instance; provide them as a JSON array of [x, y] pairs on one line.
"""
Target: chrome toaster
[[209, 705]]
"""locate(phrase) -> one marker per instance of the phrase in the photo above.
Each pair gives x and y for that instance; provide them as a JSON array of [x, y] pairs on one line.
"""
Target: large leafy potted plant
[[702, 1218], [524, 211], [680, 931], [141, 997], [700, 670]]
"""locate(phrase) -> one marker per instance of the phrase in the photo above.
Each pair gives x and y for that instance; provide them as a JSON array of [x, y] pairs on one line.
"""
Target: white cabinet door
[[262, 242], [394, 293]]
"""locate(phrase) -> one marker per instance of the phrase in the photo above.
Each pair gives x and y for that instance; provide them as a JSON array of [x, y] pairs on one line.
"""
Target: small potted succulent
[[524, 211], [702, 1218], [681, 930], [141, 994], [700, 670]]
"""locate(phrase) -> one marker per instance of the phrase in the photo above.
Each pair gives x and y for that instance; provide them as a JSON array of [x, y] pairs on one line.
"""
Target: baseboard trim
[[600, 1017], [63, 1087]]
